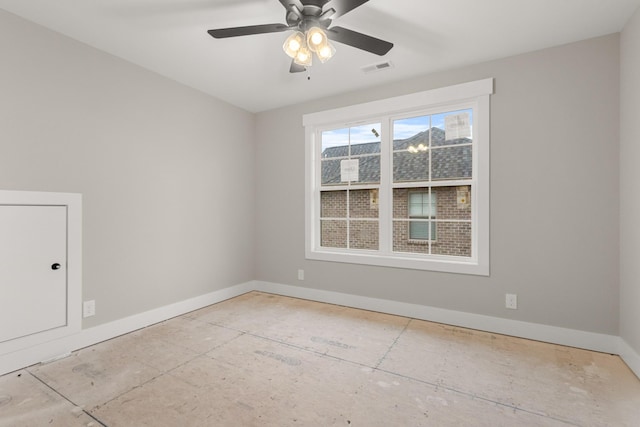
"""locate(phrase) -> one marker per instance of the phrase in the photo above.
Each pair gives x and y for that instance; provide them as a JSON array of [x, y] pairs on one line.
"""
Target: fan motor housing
[[310, 13]]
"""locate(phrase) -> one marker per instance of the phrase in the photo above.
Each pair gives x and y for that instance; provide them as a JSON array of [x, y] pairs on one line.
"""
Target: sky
[[402, 129]]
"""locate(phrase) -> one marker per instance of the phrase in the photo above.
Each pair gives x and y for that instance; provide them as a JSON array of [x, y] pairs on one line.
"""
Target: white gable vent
[[377, 67]]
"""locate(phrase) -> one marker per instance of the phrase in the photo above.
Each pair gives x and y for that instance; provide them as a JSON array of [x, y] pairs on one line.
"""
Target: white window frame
[[475, 95]]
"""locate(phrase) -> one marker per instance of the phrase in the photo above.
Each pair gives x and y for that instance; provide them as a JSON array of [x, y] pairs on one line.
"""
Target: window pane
[[363, 203], [453, 202], [454, 238], [416, 209], [411, 149], [400, 203], [419, 230], [335, 143], [363, 234], [402, 242], [451, 163], [351, 155], [333, 204], [368, 169], [365, 139], [415, 202], [422, 204], [333, 233], [415, 198], [354, 141], [365, 148], [452, 128], [412, 130], [356, 170], [412, 209], [331, 172], [410, 166]]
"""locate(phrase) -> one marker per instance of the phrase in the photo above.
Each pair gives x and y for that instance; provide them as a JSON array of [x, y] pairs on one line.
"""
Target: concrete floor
[[266, 360]]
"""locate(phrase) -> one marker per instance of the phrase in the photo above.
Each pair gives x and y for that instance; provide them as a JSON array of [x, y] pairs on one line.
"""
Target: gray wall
[[166, 171], [174, 198], [630, 184], [554, 194]]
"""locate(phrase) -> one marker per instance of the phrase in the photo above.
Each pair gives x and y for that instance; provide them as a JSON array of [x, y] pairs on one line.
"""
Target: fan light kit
[[311, 22], [300, 46]]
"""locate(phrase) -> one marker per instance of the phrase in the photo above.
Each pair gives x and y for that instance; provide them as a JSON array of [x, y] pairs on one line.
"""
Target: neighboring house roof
[[448, 162]]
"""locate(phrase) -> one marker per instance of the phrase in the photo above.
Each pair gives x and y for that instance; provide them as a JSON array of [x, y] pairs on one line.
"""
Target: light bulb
[[303, 57], [293, 44], [326, 52], [316, 39]]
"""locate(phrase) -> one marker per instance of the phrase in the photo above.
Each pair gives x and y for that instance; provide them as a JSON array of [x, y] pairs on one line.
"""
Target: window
[[350, 179], [422, 209], [402, 182]]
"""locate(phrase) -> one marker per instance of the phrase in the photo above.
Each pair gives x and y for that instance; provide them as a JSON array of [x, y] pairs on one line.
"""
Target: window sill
[[419, 242], [438, 263]]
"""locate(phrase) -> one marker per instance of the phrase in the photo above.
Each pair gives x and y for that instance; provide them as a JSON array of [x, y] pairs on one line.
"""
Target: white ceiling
[[252, 72]]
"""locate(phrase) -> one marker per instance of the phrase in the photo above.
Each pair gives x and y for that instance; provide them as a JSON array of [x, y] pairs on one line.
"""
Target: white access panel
[[33, 270], [40, 303]]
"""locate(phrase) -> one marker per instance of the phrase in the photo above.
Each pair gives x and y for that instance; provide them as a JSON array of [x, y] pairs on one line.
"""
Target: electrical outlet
[[89, 308], [300, 274], [511, 301]]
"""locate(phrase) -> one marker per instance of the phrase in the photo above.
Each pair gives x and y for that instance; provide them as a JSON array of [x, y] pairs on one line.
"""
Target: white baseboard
[[56, 348], [552, 334], [630, 356]]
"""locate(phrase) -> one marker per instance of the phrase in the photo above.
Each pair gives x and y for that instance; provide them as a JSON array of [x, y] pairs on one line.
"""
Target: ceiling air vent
[[377, 67]]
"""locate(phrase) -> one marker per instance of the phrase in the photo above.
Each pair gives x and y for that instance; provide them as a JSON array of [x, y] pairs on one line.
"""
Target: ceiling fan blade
[[296, 68], [343, 6], [294, 11], [359, 40], [288, 4], [222, 33]]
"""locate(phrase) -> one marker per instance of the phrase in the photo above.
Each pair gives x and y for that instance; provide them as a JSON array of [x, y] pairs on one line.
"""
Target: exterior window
[[350, 179], [422, 208], [432, 164], [405, 185]]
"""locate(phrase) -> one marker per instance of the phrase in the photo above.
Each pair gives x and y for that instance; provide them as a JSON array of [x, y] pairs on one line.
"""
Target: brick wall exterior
[[362, 234], [452, 238], [333, 233], [333, 204]]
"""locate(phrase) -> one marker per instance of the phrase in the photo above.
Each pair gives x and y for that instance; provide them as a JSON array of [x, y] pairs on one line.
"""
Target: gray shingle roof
[[451, 161]]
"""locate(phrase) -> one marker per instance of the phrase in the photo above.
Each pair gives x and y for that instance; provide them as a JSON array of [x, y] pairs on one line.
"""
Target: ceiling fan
[[311, 22]]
